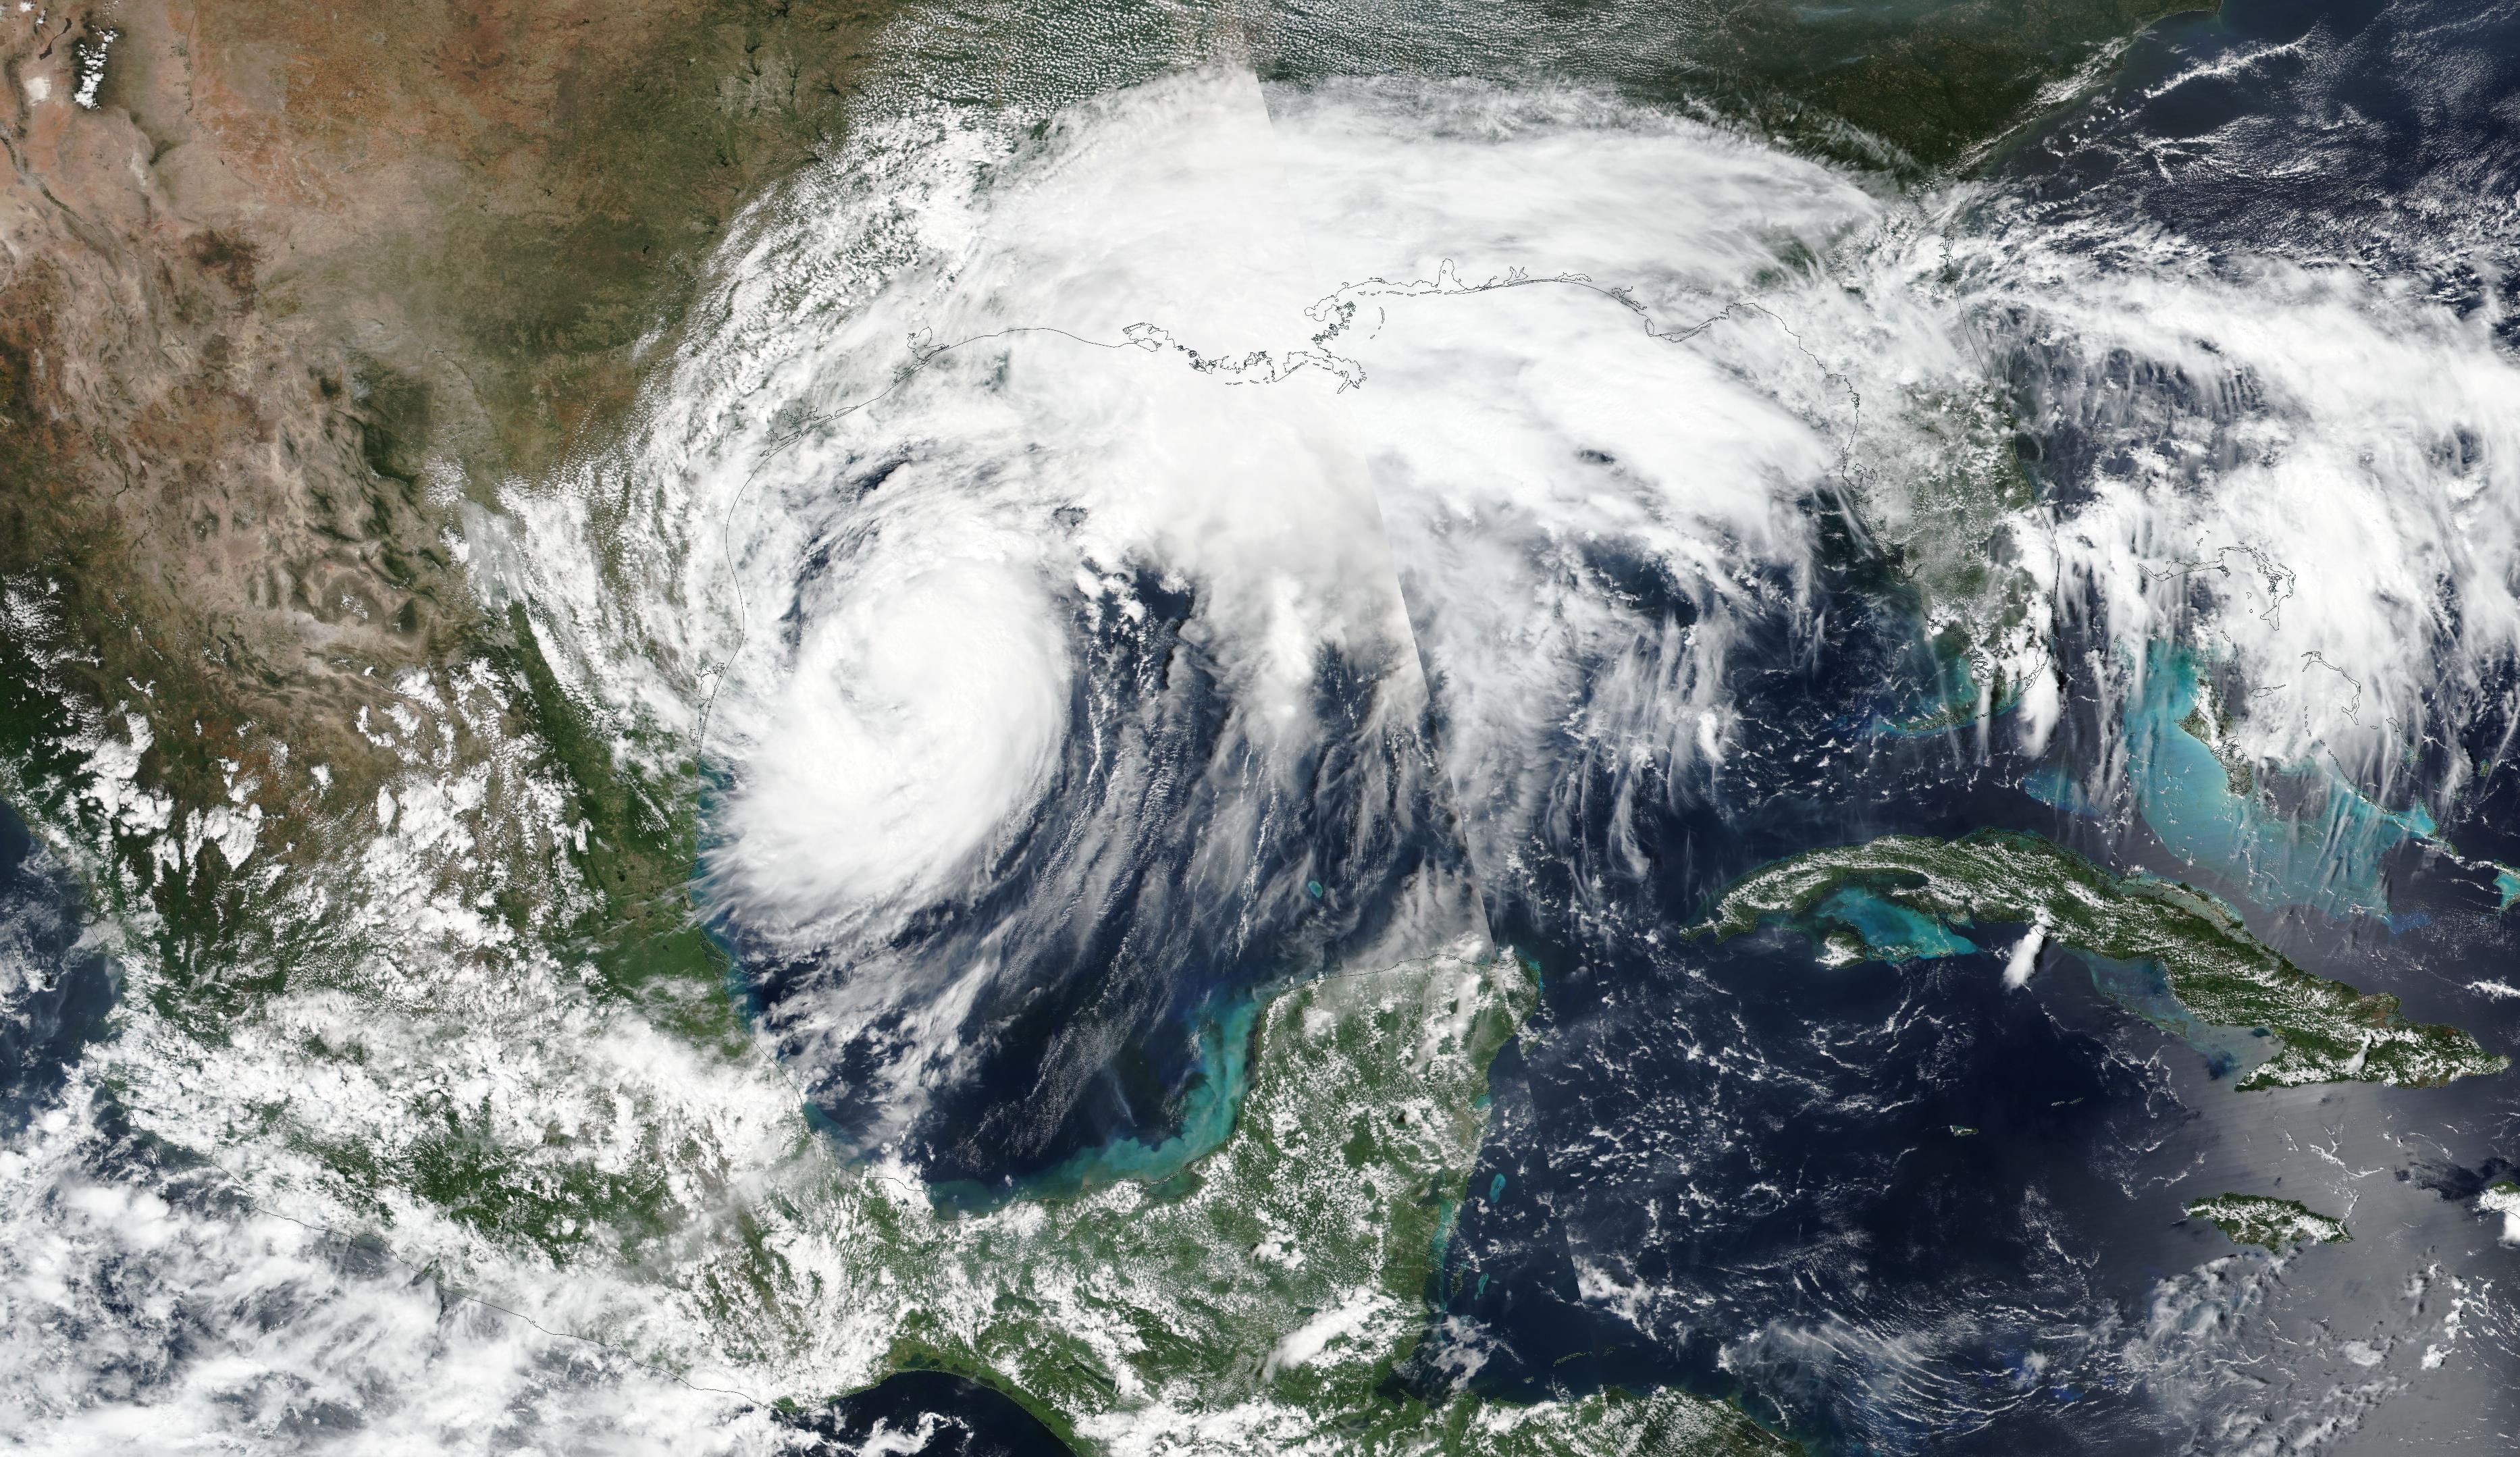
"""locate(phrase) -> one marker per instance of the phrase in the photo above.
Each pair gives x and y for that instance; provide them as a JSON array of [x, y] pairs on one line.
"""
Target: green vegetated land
[[2277, 1226], [227, 527], [1933, 80], [2326, 1031], [1912, 86], [1279, 1281], [1265, 1297], [530, 274], [2501, 1197]]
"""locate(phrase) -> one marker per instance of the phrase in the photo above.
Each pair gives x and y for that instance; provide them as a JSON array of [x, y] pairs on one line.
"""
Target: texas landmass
[[294, 289]]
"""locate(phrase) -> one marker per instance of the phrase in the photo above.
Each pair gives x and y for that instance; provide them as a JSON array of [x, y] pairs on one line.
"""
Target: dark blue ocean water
[[934, 1414], [1895, 1208], [1170, 875], [2371, 134], [1887, 1207]]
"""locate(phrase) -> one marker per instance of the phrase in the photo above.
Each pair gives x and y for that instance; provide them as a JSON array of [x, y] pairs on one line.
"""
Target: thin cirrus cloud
[[1373, 405]]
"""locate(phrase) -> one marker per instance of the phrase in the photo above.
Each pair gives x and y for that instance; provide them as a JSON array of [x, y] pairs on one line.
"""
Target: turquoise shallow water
[[2330, 858], [1892, 931], [1207, 1113], [2141, 988], [1895, 932]]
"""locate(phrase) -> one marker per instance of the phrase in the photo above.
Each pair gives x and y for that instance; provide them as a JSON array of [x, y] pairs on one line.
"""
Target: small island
[[2276, 1225], [1893, 898], [2503, 1197]]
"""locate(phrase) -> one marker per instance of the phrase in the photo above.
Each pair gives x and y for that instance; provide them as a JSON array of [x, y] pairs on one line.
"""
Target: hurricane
[[1402, 730]]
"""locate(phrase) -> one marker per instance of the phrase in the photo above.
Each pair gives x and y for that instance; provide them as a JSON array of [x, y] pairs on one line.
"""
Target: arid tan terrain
[[280, 283]]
